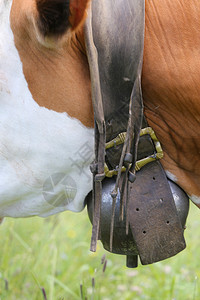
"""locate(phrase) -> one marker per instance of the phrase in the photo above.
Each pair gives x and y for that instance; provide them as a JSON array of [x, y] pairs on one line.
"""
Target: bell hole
[[137, 209], [167, 222], [144, 232]]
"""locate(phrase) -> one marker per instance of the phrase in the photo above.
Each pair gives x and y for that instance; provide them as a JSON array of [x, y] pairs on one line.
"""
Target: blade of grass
[[51, 285], [195, 287], [22, 242], [172, 287], [36, 280], [66, 288]]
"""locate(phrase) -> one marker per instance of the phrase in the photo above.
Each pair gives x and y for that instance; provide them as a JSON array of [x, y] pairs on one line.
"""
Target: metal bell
[[122, 243]]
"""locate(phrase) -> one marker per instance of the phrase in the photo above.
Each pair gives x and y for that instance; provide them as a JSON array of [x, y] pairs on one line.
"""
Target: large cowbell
[[143, 221]]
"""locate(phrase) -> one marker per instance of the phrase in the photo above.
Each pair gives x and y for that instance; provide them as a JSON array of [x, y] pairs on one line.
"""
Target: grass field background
[[50, 259]]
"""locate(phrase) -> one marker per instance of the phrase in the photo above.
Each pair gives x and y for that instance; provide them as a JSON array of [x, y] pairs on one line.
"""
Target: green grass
[[51, 256]]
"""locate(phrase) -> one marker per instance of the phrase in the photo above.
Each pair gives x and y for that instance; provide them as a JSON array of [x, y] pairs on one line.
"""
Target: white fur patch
[[171, 176], [44, 155]]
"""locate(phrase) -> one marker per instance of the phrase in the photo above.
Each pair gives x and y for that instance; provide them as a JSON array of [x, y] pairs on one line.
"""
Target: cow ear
[[55, 17], [77, 12]]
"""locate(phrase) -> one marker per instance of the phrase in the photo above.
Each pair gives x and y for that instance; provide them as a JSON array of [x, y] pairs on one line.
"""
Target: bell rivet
[[128, 159], [131, 177]]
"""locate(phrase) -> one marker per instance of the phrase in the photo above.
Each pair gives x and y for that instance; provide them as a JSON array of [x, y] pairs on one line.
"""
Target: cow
[[47, 121]]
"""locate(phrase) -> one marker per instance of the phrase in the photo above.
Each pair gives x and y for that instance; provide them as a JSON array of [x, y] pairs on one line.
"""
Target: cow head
[[46, 111]]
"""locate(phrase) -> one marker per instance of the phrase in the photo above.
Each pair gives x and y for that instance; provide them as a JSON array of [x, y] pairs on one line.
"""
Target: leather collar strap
[[115, 77]]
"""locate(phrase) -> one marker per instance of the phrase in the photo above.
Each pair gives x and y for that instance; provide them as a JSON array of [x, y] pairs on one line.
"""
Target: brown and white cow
[[46, 111]]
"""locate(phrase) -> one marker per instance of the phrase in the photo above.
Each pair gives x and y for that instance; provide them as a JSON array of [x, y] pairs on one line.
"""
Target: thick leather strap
[[117, 38], [115, 50]]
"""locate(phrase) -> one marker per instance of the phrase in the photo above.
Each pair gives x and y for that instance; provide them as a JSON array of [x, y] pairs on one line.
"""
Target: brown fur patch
[[53, 16]]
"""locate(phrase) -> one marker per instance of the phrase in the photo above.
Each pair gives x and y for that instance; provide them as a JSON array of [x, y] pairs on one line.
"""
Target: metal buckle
[[142, 162]]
